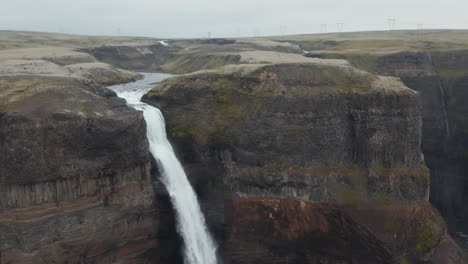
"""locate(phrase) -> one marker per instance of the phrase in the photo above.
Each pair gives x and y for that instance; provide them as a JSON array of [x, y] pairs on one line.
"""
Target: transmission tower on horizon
[[391, 23], [283, 30], [420, 28], [340, 26], [323, 28]]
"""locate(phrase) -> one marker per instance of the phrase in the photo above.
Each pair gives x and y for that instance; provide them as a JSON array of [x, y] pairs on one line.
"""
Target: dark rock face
[[415, 69], [314, 133], [75, 182], [291, 231], [143, 58], [441, 79], [451, 170]]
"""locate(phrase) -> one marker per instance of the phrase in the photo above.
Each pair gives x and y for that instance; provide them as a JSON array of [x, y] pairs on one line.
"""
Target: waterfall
[[442, 95], [199, 247]]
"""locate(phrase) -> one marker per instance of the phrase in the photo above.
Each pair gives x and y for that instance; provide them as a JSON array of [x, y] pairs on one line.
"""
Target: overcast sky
[[226, 18]]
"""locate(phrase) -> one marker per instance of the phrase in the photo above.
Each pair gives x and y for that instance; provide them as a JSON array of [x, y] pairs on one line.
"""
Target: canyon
[[334, 148]]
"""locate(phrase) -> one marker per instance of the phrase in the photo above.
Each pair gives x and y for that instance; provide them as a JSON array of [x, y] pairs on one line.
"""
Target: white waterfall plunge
[[199, 247]]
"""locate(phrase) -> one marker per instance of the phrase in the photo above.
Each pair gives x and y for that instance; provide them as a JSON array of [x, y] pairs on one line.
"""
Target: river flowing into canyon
[[199, 247]]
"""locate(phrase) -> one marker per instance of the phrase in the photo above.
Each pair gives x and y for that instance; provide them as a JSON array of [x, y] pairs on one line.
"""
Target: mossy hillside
[[366, 62], [346, 45], [205, 124], [13, 89], [373, 44], [363, 61], [40, 95], [306, 79], [191, 62]]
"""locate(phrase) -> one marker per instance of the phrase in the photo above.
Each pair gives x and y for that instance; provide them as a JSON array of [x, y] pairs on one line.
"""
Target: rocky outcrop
[[75, 182], [317, 131], [134, 57]]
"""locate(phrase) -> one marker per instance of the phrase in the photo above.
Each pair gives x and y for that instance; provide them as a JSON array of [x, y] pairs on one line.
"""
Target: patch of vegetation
[[418, 173], [380, 170], [429, 237], [353, 184], [366, 62], [403, 259], [349, 81], [350, 187]]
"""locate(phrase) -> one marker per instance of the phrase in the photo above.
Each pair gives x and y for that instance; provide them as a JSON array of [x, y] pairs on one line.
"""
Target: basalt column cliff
[[306, 162]]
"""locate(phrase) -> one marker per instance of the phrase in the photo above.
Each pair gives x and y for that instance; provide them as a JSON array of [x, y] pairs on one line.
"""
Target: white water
[[199, 247]]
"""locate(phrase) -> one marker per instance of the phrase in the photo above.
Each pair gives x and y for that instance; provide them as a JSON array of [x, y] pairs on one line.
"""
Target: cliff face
[[440, 77], [301, 128], [133, 57], [75, 182], [319, 132], [451, 169]]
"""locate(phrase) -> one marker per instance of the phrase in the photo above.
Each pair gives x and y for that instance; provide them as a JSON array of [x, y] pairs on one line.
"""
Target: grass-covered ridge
[[191, 61]]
